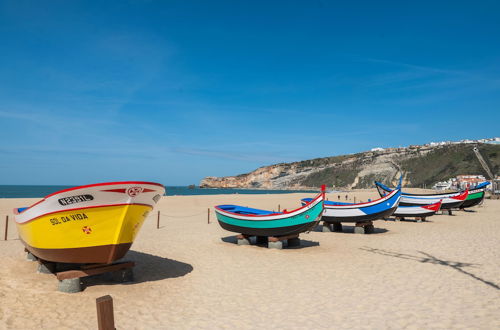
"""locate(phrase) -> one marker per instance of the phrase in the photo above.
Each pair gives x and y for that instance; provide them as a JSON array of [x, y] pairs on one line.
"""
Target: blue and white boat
[[338, 212], [449, 200], [417, 211]]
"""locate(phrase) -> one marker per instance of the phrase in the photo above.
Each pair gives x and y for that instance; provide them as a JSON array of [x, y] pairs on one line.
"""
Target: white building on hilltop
[[444, 185], [494, 141]]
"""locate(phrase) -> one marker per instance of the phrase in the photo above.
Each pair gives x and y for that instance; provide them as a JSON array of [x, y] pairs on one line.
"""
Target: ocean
[[19, 191]]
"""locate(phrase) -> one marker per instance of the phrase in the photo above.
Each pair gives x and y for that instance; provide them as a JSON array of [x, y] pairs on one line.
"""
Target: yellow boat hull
[[88, 235]]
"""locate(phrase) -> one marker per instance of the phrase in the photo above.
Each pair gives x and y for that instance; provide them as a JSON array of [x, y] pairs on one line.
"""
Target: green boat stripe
[[475, 195], [272, 217], [309, 216]]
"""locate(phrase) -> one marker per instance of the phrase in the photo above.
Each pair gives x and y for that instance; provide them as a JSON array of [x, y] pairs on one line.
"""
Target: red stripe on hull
[[104, 184], [433, 207]]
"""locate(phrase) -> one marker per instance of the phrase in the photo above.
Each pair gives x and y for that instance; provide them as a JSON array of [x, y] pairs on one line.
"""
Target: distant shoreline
[[40, 191]]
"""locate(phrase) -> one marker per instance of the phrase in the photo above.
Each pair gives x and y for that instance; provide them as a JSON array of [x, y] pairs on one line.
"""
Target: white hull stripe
[[94, 196], [426, 201], [275, 216], [361, 205], [413, 210]]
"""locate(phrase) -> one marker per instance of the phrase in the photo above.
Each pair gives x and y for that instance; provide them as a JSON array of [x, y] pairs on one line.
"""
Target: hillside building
[[468, 181]]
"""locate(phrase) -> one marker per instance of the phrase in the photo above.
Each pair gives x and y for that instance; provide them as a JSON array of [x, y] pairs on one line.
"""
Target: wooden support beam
[[158, 221], [6, 227], [208, 216], [105, 315], [94, 270], [281, 238], [364, 224]]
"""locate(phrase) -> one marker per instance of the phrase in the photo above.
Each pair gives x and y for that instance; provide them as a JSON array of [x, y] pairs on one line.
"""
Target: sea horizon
[[39, 191]]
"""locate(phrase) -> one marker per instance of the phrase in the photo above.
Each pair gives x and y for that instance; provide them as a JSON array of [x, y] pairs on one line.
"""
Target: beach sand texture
[[444, 273]]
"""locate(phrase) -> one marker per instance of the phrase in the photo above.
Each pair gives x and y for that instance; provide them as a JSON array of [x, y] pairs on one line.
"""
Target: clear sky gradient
[[173, 91]]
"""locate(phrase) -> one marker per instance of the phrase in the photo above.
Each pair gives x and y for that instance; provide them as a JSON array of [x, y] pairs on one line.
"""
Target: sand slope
[[444, 273]]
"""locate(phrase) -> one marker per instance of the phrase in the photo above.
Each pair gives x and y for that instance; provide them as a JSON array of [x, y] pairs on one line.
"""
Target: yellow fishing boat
[[95, 223]]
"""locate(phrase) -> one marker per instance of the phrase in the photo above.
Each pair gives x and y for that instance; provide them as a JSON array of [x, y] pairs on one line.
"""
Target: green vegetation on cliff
[[439, 164], [421, 165], [449, 161], [334, 176]]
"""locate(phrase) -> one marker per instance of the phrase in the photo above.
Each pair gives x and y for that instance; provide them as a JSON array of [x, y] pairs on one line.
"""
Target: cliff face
[[421, 165]]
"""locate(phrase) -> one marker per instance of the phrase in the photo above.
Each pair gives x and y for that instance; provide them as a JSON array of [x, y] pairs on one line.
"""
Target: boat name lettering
[[75, 199], [71, 217]]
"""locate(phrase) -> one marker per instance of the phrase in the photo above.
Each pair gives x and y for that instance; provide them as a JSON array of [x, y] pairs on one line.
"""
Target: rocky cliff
[[420, 165]]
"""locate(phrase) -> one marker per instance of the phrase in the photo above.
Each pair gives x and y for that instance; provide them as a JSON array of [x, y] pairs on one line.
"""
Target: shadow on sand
[[427, 258], [468, 211], [147, 268], [346, 229], [408, 220], [304, 243]]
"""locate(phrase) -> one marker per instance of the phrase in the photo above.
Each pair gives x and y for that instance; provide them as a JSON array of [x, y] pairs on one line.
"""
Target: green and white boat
[[256, 222], [476, 195]]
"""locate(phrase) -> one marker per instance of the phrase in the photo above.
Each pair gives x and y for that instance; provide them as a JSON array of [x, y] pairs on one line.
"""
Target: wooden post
[[105, 317], [6, 227], [158, 221], [208, 216], [354, 199], [279, 207]]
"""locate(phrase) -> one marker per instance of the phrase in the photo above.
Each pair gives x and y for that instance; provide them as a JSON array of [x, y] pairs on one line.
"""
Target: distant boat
[[449, 200], [338, 212], [95, 223], [256, 222], [419, 211], [476, 195]]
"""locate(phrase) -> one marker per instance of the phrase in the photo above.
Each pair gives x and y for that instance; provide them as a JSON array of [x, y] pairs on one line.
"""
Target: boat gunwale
[[457, 195], [288, 214], [423, 196], [430, 206], [103, 184], [356, 205], [89, 186]]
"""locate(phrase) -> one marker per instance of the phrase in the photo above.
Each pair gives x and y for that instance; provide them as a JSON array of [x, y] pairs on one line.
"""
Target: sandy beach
[[439, 274]]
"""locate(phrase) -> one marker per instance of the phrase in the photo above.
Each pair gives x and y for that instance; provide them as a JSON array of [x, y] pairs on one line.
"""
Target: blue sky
[[173, 91]]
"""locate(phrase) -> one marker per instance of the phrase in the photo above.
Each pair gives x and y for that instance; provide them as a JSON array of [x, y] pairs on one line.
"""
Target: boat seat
[[245, 210]]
